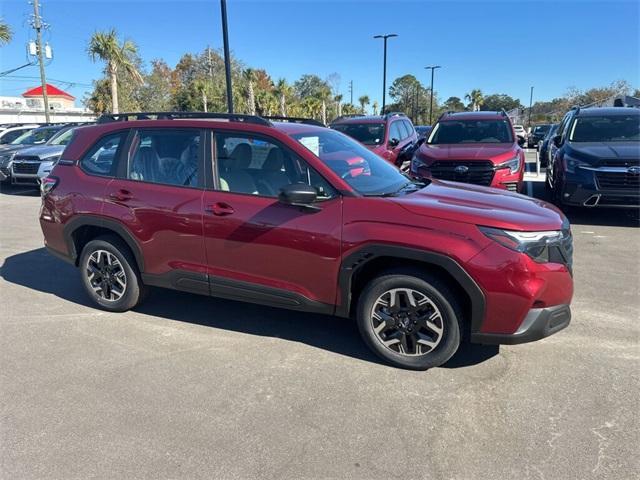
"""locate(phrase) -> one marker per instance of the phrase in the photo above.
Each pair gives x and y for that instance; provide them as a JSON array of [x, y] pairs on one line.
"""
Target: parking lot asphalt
[[193, 387]]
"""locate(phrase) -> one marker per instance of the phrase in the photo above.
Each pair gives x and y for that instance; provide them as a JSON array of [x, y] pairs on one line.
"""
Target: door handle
[[220, 209], [121, 195]]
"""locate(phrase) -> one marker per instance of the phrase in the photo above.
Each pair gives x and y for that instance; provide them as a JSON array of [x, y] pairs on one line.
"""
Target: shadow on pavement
[[38, 270], [20, 190]]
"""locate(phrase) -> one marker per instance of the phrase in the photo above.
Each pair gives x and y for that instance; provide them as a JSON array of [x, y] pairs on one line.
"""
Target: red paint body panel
[[259, 240]]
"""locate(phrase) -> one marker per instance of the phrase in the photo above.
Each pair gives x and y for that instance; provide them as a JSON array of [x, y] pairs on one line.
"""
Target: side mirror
[[521, 141], [420, 141], [394, 142], [557, 140], [299, 195]]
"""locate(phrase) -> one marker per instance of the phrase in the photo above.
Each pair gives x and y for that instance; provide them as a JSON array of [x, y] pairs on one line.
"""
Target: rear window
[[471, 131], [366, 133]]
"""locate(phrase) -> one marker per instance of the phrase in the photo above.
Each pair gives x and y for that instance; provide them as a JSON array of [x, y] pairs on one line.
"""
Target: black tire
[[134, 290], [437, 292]]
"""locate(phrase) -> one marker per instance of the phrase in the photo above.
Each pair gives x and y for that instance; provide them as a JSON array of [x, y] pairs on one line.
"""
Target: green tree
[[157, 92], [119, 57], [499, 101], [6, 34], [453, 104], [309, 86], [363, 101], [251, 99], [374, 105], [475, 98], [338, 99], [283, 90]]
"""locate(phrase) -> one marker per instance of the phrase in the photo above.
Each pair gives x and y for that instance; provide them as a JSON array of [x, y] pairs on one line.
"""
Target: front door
[[259, 249], [158, 196]]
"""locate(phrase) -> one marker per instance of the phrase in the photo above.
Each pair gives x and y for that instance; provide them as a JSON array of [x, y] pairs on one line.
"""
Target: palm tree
[[105, 46], [476, 98], [5, 33], [283, 90], [364, 101], [251, 99], [338, 100], [324, 93], [375, 107]]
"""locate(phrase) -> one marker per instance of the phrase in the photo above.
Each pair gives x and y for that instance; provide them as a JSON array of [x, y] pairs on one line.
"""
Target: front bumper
[[601, 187], [537, 324]]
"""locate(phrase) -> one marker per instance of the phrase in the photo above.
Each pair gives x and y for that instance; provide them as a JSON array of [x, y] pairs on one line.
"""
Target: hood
[[609, 150], [376, 148], [43, 151], [497, 153], [12, 148], [482, 206]]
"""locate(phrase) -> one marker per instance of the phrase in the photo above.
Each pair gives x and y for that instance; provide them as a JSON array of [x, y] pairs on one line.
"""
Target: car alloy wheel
[[106, 275], [407, 322]]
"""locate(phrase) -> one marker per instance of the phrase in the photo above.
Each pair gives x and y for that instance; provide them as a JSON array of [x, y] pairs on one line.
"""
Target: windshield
[[364, 171], [35, 137], [366, 133], [471, 131], [607, 128], [61, 138], [541, 129]]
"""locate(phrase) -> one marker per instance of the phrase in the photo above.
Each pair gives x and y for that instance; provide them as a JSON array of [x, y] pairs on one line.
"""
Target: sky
[[498, 47]]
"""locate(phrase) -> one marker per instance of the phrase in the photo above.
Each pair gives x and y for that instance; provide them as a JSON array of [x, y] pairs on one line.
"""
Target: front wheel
[[410, 319], [109, 274]]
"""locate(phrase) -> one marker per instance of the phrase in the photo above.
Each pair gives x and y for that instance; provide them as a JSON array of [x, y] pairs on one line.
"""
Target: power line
[[28, 77]]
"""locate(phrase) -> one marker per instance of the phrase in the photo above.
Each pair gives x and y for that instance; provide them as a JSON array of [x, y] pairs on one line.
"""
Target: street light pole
[[432, 68], [530, 106], [227, 59], [384, 69]]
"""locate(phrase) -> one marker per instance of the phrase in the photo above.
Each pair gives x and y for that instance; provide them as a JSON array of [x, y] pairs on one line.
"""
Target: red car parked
[[391, 136], [274, 213], [472, 147]]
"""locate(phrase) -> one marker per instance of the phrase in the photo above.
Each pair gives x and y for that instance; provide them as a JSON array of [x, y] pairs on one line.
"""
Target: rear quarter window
[[101, 158]]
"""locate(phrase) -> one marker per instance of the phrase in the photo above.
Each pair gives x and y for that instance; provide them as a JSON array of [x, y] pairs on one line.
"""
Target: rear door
[[157, 195], [259, 249]]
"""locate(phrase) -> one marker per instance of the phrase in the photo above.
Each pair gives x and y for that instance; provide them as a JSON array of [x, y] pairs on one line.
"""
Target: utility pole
[[227, 59], [432, 68], [530, 106], [37, 25], [351, 92], [384, 68]]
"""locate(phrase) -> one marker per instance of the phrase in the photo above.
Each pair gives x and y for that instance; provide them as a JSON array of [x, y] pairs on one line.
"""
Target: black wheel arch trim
[[363, 255], [84, 220]]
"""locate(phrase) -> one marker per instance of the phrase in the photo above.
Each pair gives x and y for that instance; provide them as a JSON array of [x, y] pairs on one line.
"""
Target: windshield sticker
[[312, 143]]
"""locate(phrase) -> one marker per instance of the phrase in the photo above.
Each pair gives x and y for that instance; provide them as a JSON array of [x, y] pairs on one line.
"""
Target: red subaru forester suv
[[391, 136], [274, 213], [472, 147]]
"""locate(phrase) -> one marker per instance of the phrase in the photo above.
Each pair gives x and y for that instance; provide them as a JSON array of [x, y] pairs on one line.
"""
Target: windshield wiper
[[416, 186]]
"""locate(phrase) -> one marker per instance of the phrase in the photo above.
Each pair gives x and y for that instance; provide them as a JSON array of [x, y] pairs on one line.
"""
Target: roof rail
[[576, 108], [306, 121], [350, 115], [232, 117], [393, 114]]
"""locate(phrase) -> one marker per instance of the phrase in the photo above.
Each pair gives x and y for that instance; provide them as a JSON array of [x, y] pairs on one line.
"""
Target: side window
[[409, 127], [11, 136], [100, 160], [167, 156], [564, 128], [254, 166], [395, 132]]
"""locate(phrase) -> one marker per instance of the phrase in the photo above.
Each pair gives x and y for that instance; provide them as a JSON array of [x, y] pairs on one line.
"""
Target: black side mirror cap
[[557, 140], [299, 195], [393, 142]]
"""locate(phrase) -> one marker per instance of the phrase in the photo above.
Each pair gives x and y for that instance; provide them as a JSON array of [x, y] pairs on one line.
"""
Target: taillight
[[47, 184]]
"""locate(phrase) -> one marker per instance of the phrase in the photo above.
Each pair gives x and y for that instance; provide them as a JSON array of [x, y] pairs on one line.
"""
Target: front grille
[[479, 172], [27, 158], [26, 168], [618, 181], [620, 162]]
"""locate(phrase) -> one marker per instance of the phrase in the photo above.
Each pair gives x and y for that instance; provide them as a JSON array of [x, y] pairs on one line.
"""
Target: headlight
[[513, 165], [543, 246], [4, 160], [570, 164]]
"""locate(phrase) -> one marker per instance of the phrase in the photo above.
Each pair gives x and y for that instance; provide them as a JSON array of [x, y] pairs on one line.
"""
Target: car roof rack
[[348, 115], [231, 117], [306, 121]]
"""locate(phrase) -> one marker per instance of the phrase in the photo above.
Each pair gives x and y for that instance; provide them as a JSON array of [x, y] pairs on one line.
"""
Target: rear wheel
[[110, 275], [410, 319]]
